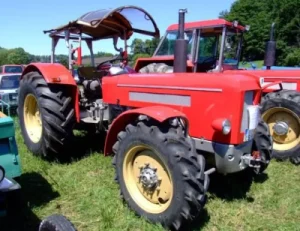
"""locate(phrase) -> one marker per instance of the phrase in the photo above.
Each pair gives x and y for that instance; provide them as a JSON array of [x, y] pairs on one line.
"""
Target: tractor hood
[[269, 73], [122, 21], [290, 79], [214, 82], [202, 97], [272, 75]]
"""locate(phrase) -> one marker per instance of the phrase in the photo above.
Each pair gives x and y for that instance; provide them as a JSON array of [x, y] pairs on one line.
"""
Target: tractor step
[[210, 171]]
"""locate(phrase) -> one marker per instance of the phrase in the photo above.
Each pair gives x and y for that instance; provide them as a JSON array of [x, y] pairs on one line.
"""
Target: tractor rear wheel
[[46, 115], [156, 68], [160, 176], [281, 111]]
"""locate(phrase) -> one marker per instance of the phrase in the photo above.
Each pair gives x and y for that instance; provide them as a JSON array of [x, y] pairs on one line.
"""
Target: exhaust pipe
[[270, 53], [180, 52]]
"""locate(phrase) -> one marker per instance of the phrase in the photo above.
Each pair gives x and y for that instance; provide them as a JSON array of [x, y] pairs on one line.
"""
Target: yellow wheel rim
[[284, 127], [32, 118], [147, 179]]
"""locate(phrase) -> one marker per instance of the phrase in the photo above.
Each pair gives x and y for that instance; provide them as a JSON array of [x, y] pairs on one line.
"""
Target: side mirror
[[253, 65], [115, 41], [73, 52], [228, 43], [67, 37]]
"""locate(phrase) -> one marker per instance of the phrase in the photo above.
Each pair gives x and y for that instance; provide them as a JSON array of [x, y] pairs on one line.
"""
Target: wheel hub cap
[[148, 177], [281, 128]]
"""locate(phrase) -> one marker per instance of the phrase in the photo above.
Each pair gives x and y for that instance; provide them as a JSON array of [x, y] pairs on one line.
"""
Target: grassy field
[[85, 192], [259, 64]]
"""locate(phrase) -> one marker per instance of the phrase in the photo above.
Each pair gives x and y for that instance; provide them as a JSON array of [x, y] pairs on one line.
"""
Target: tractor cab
[[120, 23], [213, 45]]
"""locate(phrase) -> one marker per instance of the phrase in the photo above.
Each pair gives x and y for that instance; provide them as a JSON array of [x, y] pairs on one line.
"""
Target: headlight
[[261, 81], [2, 173], [222, 125], [226, 127]]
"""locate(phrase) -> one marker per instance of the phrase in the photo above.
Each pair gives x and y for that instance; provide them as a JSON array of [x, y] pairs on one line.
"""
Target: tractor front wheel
[[46, 115], [56, 223], [281, 111], [263, 144], [160, 176]]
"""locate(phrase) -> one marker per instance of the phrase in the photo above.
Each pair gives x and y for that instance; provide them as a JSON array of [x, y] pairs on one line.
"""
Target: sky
[[23, 22]]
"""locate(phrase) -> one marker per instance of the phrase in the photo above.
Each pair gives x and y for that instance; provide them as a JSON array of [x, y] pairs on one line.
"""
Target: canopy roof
[[100, 24], [214, 25]]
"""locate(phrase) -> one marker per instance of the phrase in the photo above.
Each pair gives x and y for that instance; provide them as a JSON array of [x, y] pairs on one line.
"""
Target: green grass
[[85, 192]]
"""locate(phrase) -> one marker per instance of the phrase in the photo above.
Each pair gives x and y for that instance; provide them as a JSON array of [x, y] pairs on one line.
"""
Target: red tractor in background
[[167, 131], [216, 46]]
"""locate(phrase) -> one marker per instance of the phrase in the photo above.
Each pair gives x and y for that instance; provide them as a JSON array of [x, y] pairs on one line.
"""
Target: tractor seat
[[89, 73], [2, 115]]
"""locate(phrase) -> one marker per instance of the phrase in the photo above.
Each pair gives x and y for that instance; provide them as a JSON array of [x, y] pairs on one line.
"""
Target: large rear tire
[[46, 115], [156, 68], [281, 111], [161, 177]]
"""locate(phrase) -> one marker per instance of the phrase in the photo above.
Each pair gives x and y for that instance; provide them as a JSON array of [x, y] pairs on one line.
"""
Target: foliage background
[[260, 15], [139, 48]]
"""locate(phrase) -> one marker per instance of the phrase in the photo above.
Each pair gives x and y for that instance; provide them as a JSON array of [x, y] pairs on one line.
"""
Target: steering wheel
[[208, 60], [110, 61]]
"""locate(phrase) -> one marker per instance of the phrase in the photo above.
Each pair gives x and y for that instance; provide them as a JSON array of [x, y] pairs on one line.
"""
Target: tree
[[293, 58], [260, 15], [136, 56], [18, 56], [62, 59], [223, 14], [138, 46], [3, 56]]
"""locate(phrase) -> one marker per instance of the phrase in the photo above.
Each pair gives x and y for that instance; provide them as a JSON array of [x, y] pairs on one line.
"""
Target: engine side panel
[[203, 98]]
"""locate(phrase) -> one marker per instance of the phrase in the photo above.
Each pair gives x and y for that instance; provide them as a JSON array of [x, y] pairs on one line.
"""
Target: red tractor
[[216, 46], [163, 130]]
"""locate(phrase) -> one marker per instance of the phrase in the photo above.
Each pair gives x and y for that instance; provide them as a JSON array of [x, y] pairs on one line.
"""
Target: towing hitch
[[252, 161]]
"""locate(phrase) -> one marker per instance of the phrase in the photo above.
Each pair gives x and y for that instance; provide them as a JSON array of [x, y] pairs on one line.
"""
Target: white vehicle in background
[[9, 84]]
